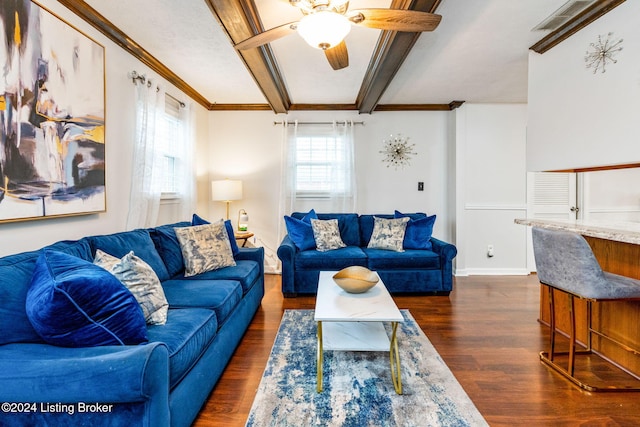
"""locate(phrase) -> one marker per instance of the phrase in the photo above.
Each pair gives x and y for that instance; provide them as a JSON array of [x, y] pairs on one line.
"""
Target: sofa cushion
[[15, 279], [205, 248], [141, 280], [380, 259], [139, 241], [74, 303], [418, 232], [196, 220], [187, 333], [347, 223], [245, 271], [300, 230], [331, 260], [326, 234], [168, 247], [388, 234], [221, 296]]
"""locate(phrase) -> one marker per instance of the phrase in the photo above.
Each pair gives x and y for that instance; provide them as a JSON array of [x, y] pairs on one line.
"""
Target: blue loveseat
[[159, 383], [421, 271]]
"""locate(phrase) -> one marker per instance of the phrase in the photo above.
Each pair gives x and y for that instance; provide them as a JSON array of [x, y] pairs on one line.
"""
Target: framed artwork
[[52, 116]]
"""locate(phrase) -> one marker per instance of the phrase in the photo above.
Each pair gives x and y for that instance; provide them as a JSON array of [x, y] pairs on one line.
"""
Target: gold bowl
[[355, 279]]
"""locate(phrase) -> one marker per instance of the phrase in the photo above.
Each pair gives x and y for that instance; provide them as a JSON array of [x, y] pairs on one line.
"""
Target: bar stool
[[565, 261]]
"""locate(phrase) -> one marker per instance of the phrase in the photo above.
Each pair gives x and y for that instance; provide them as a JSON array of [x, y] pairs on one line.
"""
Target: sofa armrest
[[287, 254], [447, 251], [43, 373], [252, 254]]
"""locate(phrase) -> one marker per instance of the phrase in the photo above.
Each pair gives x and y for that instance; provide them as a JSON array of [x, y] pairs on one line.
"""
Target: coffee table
[[354, 322]]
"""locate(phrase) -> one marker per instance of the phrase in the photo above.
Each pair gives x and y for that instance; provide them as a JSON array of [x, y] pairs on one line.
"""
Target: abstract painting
[[52, 116]]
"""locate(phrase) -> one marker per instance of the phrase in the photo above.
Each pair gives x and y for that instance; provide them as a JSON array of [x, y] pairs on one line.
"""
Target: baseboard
[[491, 272]]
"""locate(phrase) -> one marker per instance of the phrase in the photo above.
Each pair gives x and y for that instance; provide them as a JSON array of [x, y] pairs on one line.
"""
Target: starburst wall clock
[[397, 151], [602, 52]]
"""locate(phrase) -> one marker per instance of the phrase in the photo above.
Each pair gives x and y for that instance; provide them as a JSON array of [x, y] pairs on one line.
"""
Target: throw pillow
[[196, 220], [388, 234], [141, 280], [74, 303], [326, 234], [419, 231], [300, 231], [205, 248]]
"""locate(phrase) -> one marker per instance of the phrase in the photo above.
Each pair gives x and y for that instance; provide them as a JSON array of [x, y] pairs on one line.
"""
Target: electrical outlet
[[489, 251], [421, 186]]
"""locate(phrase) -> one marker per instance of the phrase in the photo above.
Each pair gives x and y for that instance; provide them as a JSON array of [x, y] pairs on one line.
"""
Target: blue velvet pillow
[[300, 230], [74, 303], [418, 232], [196, 220]]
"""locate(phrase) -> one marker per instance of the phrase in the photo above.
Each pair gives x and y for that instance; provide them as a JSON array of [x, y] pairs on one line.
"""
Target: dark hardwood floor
[[487, 333]]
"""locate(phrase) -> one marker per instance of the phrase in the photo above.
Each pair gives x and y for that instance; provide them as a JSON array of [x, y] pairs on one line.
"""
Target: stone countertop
[[619, 231]]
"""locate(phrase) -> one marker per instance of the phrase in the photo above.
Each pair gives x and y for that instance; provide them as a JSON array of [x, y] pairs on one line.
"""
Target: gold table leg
[[319, 360], [394, 359]]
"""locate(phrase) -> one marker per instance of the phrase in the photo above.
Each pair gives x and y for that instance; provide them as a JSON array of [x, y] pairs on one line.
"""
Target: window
[[170, 147], [320, 165]]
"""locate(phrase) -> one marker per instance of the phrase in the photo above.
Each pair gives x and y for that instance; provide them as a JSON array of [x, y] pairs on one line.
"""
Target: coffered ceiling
[[477, 54]]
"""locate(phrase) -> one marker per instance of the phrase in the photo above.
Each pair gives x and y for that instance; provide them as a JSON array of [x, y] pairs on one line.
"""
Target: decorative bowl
[[355, 279]]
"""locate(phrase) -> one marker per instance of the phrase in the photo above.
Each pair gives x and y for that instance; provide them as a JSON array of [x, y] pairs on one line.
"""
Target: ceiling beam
[[240, 20], [389, 54], [575, 24], [102, 24]]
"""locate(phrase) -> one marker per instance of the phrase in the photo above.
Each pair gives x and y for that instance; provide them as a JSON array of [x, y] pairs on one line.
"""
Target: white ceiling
[[477, 54]]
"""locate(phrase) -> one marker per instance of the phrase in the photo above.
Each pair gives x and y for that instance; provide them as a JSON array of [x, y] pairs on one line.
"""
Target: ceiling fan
[[326, 23]]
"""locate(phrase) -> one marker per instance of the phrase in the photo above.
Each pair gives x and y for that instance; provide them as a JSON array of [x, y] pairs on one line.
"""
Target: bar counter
[[616, 246]]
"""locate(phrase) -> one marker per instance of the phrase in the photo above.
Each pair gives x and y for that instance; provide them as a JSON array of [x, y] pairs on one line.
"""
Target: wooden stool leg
[[572, 335], [552, 324]]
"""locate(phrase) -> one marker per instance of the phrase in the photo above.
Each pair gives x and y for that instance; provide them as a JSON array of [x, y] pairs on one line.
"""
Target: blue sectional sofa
[[163, 382], [420, 271]]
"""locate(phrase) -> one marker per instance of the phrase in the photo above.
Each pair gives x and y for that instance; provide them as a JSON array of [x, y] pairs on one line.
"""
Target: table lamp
[[243, 221], [226, 190]]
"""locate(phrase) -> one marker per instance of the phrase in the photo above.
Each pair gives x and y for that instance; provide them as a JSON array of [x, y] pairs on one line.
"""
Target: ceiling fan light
[[324, 30]]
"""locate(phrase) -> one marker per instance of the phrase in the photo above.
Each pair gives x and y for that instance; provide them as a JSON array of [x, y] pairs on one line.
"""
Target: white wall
[[473, 158], [580, 119], [490, 188], [120, 130]]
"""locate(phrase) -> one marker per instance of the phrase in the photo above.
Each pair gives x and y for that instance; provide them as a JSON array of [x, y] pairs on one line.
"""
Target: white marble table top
[[618, 231], [335, 305]]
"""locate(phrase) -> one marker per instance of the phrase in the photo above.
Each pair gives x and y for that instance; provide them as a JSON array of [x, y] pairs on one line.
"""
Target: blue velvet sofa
[[163, 382], [411, 271]]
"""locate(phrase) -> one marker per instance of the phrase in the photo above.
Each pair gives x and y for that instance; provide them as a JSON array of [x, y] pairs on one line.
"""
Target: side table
[[244, 236]]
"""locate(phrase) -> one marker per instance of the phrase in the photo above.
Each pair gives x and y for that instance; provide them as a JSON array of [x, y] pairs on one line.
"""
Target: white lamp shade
[[324, 30], [226, 190]]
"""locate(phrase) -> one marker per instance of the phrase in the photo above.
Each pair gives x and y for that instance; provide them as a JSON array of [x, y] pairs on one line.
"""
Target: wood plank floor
[[487, 333]]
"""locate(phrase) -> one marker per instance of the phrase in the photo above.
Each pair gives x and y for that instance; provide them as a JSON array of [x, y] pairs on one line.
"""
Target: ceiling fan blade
[[338, 56], [412, 21], [267, 36]]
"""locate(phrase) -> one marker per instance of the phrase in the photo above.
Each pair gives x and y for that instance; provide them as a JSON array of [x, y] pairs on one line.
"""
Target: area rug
[[358, 390]]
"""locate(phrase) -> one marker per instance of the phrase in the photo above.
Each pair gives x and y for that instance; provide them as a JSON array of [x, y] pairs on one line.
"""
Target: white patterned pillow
[[388, 233], [141, 281], [327, 234], [205, 248]]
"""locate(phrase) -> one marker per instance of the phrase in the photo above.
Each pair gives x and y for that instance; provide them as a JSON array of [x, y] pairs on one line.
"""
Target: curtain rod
[[320, 123], [135, 78]]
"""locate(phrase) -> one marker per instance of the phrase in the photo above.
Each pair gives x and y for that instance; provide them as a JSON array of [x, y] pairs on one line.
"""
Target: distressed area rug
[[358, 390]]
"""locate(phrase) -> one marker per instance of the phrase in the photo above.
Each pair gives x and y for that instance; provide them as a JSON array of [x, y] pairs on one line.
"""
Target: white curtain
[[146, 179], [330, 149], [185, 168]]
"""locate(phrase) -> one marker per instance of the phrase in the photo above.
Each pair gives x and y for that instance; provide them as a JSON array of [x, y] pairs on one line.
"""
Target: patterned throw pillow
[[388, 234], [141, 280], [205, 248], [327, 234]]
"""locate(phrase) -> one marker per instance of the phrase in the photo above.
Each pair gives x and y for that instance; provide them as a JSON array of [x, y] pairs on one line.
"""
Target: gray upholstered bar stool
[[565, 262]]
